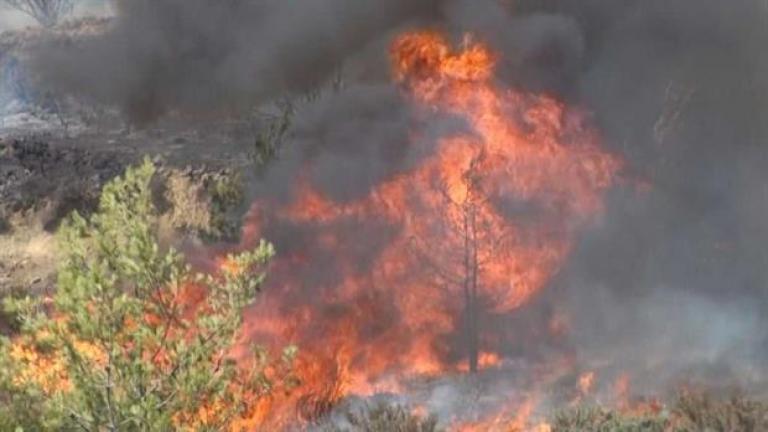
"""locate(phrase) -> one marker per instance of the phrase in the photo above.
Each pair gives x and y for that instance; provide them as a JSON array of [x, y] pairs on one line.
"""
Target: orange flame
[[512, 191], [586, 383], [528, 173], [519, 421]]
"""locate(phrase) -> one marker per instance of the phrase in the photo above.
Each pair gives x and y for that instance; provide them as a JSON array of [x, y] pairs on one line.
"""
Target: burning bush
[[404, 281], [132, 339]]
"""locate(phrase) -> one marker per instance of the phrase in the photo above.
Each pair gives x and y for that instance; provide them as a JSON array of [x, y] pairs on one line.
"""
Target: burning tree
[[515, 162], [477, 225], [46, 12], [470, 240], [132, 340]]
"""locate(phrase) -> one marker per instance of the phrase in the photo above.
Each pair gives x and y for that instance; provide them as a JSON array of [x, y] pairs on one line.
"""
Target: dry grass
[[701, 412], [27, 265], [692, 412], [596, 419], [387, 418], [190, 206], [199, 200], [27, 258]]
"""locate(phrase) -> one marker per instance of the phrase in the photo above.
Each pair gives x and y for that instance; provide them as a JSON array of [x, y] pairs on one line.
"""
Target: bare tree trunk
[[471, 329], [470, 288], [475, 345]]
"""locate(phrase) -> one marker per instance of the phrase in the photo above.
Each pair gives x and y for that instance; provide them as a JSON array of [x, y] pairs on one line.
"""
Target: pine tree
[[133, 340]]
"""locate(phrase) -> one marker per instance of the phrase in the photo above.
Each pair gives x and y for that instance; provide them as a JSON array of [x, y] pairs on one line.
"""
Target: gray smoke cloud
[[672, 282], [204, 55], [217, 57], [672, 278]]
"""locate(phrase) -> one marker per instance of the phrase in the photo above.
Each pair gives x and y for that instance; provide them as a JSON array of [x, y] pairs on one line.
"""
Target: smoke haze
[[672, 277]]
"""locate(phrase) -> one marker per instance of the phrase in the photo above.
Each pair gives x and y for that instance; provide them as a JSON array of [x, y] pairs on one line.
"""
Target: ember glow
[[390, 289]]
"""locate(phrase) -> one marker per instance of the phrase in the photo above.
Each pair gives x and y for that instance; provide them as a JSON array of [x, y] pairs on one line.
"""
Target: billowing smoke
[[674, 275], [671, 283], [209, 56], [206, 55]]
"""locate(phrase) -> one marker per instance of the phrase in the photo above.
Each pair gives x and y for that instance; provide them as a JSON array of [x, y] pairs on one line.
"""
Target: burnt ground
[[46, 183], [44, 176], [48, 172], [56, 153], [39, 185]]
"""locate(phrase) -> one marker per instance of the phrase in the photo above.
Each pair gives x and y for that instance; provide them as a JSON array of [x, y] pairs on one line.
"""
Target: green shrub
[[133, 340]]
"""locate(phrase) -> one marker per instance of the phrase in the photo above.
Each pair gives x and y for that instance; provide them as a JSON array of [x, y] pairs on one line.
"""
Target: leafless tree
[[469, 236], [46, 12]]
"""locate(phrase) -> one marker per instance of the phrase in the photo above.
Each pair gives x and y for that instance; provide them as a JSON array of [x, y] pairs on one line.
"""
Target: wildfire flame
[[392, 287], [586, 383], [491, 212]]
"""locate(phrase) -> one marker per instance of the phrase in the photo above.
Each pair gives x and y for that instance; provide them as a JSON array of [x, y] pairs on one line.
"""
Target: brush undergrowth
[[387, 418], [692, 412], [133, 339], [597, 419]]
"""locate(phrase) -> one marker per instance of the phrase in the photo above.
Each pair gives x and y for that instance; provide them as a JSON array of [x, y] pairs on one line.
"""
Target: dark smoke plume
[[212, 56], [674, 279], [208, 55]]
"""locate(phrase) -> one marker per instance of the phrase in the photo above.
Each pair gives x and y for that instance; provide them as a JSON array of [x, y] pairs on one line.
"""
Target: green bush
[[133, 340]]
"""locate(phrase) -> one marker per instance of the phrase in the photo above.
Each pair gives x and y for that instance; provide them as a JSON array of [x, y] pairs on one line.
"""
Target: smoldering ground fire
[[567, 197]]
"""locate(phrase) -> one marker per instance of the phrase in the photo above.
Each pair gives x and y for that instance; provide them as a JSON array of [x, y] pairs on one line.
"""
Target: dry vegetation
[[387, 418], [40, 184], [692, 412]]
